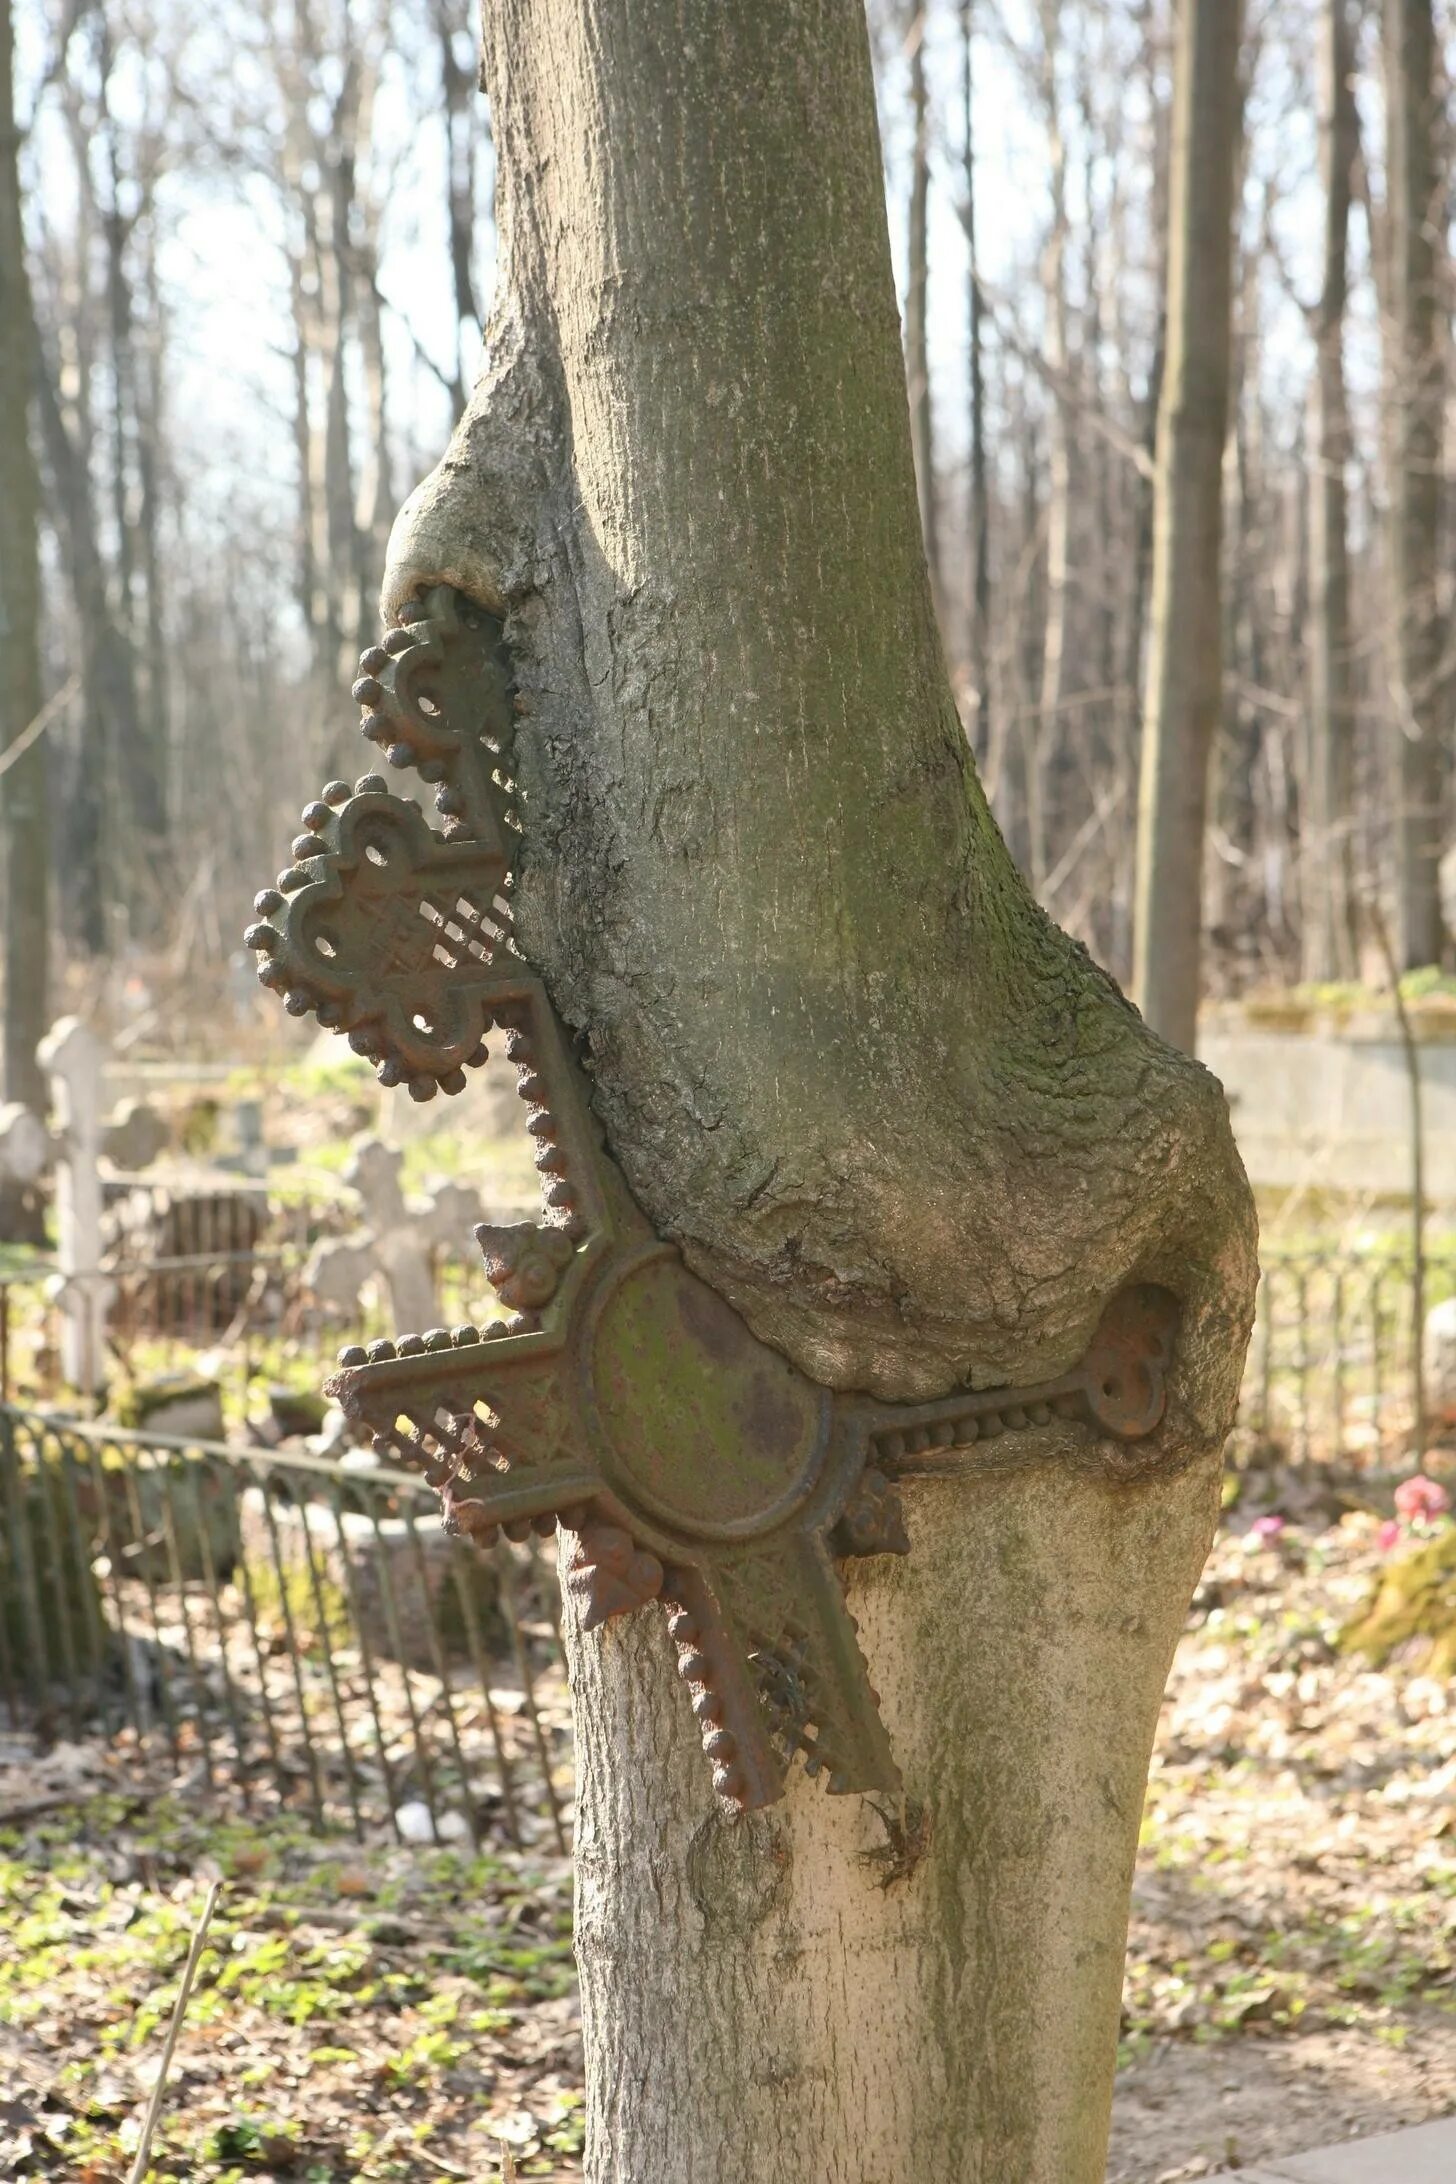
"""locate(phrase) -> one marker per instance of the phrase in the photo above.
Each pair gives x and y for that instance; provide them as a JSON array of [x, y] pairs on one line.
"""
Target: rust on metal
[[687, 1461]]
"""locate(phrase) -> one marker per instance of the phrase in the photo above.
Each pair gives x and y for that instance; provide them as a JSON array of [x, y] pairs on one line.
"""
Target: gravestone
[[394, 1241], [399, 1577], [74, 1062], [1440, 1364]]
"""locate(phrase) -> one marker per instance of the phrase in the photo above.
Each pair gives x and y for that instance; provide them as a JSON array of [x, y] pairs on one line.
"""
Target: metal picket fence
[[283, 1630], [217, 1268], [1329, 1370], [286, 1631]]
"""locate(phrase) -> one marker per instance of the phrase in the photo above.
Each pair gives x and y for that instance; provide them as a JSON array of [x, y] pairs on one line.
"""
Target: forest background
[[259, 253]]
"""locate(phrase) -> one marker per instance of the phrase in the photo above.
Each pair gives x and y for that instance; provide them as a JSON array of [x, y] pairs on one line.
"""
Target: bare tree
[[1043, 722], [1327, 845], [917, 299], [1415, 393], [462, 127], [1184, 682], [888, 1111], [978, 506], [23, 753]]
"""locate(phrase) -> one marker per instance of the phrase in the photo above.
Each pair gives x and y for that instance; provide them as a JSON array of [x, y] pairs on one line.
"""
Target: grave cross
[[395, 1240], [689, 1461], [74, 1061]]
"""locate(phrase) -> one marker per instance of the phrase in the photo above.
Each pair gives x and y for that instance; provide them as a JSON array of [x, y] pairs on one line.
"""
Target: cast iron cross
[[687, 1460]]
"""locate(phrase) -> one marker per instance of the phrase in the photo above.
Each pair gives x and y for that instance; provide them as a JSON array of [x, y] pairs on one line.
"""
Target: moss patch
[[1412, 1609]]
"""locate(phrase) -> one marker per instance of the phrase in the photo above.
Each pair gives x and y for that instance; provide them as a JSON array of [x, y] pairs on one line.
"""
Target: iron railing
[[1329, 1371], [229, 1282], [280, 1628], [1330, 1365]]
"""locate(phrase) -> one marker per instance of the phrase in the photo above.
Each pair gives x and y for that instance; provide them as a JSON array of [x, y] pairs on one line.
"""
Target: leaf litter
[[386, 2011]]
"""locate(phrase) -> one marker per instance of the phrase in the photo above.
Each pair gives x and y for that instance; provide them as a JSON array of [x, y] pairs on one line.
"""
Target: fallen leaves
[[347, 2011], [392, 2011]]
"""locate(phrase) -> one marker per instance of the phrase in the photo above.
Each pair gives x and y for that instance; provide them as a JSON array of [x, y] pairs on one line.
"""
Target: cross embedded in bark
[[687, 1460]]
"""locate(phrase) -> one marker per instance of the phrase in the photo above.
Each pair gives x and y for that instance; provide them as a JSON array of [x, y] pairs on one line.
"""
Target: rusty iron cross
[[686, 1460]]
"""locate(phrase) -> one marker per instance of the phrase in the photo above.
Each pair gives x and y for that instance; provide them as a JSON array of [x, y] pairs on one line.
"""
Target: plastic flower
[[1421, 1500]]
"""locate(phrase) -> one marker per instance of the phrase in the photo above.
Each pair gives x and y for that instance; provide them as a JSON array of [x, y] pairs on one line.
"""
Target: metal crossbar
[[281, 1630]]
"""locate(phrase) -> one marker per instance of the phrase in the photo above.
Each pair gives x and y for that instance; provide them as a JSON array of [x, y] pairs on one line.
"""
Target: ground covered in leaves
[[395, 2012], [378, 2013], [1292, 1961]]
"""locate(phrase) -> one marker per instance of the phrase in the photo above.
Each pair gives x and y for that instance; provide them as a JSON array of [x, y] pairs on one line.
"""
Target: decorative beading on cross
[[687, 1460]]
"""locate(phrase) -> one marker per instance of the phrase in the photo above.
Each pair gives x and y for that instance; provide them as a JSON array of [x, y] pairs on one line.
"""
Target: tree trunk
[[23, 784], [1327, 859], [917, 303], [309, 588], [140, 752], [1129, 707], [1184, 684], [884, 1106], [151, 429], [1415, 393], [978, 641], [110, 725], [1046, 722], [461, 120]]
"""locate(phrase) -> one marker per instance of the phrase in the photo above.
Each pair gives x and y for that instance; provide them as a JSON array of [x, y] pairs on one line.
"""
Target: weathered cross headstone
[[694, 1464], [395, 1240], [74, 1061]]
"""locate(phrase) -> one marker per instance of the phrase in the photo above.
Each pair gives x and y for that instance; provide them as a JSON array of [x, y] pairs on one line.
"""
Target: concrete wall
[[1327, 1104]]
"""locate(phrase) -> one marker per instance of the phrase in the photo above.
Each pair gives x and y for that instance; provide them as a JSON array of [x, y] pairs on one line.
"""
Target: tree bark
[[1326, 846], [1044, 725], [884, 1106], [109, 722], [1415, 394], [140, 752], [978, 635], [23, 798], [1180, 717], [917, 303], [457, 85]]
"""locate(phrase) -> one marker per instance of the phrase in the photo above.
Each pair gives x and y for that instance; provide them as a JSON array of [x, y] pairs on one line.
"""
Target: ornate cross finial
[[687, 1460]]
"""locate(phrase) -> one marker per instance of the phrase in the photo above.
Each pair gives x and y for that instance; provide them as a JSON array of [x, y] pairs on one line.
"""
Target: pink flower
[[1388, 1536], [1266, 1530], [1421, 1500]]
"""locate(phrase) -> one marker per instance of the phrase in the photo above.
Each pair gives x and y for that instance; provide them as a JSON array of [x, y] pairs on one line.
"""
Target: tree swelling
[[887, 1108]]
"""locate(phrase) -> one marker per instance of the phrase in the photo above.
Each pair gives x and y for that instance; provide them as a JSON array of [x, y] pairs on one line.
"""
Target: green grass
[[347, 1998]]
